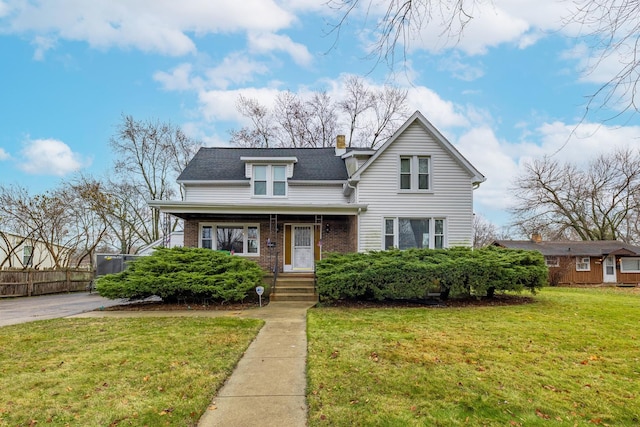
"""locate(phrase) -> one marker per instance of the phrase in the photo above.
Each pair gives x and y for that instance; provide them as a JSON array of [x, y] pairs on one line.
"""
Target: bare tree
[[613, 30], [599, 202], [372, 116], [262, 133], [484, 231], [149, 155], [611, 27]]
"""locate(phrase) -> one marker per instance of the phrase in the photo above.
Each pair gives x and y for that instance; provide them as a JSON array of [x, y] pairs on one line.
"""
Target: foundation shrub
[[415, 273], [184, 273]]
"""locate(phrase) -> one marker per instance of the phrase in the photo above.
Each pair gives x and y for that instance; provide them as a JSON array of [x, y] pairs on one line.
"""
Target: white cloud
[[50, 157], [3, 154], [502, 161], [269, 42], [235, 69], [178, 79], [161, 26]]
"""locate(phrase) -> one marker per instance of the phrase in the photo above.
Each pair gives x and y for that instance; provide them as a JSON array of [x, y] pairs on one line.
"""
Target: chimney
[[341, 146], [536, 237]]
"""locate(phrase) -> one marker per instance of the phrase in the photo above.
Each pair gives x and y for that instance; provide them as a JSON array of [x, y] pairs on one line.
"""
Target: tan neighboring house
[[286, 207], [584, 262], [23, 252]]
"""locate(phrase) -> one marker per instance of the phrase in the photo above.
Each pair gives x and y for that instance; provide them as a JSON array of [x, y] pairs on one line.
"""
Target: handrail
[[275, 273]]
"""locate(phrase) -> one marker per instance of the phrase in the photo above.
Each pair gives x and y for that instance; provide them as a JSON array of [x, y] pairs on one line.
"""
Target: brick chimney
[[341, 146], [536, 237]]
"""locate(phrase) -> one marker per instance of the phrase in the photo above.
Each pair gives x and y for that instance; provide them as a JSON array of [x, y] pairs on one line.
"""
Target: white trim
[[269, 159], [581, 260], [269, 206], [476, 177], [635, 259], [245, 234]]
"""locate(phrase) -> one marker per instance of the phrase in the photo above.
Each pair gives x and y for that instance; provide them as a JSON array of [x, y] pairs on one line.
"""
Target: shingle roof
[[216, 164], [573, 248]]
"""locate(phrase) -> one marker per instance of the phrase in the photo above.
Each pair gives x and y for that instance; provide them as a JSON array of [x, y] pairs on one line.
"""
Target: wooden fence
[[14, 283]]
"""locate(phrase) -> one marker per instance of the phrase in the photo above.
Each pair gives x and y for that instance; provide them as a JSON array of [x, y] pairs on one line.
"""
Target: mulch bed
[[497, 300]]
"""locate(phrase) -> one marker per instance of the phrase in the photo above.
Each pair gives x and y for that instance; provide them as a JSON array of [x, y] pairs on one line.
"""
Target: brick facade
[[339, 234]]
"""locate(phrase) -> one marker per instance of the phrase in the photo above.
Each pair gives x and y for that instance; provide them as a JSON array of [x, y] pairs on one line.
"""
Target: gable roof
[[596, 248], [225, 164], [477, 177]]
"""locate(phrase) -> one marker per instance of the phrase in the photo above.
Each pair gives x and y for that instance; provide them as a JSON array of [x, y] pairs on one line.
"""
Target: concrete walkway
[[268, 386]]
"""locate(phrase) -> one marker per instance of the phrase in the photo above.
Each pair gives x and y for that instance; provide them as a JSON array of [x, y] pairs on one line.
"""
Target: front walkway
[[268, 386]]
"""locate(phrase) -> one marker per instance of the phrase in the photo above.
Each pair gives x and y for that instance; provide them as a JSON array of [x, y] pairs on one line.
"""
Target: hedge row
[[184, 273], [415, 273]]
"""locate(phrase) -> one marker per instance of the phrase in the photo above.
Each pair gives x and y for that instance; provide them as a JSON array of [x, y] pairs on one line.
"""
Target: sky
[[513, 87]]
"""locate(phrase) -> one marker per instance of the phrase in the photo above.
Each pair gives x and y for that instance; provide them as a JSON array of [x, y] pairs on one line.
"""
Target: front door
[[302, 247], [609, 269]]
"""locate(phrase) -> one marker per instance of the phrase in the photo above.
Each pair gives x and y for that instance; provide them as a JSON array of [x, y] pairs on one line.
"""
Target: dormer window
[[270, 180]]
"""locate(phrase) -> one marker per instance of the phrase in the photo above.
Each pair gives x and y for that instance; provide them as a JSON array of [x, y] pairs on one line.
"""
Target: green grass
[[570, 358], [108, 372]]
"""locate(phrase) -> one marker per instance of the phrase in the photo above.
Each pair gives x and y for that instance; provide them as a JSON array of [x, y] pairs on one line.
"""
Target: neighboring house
[[172, 240], [285, 207], [584, 262], [24, 252]]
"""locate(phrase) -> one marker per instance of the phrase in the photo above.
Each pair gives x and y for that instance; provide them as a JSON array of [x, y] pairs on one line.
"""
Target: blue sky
[[512, 89]]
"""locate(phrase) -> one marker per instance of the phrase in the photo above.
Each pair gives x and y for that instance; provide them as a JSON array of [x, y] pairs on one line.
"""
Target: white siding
[[450, 197], [242, 194]]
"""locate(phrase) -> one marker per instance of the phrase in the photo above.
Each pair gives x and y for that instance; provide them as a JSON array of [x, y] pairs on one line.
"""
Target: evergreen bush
[[191, 274], [417, 273]]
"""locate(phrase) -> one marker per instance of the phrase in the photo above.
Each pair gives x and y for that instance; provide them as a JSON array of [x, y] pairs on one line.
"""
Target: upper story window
[[415, 173], [269, 180]]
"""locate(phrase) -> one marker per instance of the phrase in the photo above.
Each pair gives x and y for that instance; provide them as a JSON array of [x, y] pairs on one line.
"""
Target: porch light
[[327, 228]]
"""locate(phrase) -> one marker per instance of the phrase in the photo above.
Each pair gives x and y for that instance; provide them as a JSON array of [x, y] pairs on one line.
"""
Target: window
[[389, 233], [630, 265], [27, 256], [552, 261], [269, 180], [414, 173], [236, 238], [583, 264], [408, 233]]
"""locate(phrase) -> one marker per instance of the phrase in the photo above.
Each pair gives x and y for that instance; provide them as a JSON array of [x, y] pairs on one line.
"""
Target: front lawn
[[570, 358], [117, 372]]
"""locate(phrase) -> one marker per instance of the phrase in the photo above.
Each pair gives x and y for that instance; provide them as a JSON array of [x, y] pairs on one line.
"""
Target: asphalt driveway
[[29, 309]]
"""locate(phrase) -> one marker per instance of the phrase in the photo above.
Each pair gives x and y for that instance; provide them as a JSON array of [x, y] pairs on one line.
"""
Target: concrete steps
[[294, 287]]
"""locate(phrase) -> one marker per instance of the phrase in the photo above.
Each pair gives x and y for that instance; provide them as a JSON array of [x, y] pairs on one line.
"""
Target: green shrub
[[414, 273], [184, 273]]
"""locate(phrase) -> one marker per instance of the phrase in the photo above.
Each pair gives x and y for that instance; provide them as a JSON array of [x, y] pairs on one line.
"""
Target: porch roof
[[595, 248], [184, 209]]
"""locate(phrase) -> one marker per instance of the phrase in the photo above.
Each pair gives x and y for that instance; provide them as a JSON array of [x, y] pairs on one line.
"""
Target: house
[[25, 252], [285, 207], [172, 240], [584, 262]]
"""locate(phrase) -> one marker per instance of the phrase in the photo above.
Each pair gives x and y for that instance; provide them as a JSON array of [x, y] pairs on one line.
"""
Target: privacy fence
[[30, 282]]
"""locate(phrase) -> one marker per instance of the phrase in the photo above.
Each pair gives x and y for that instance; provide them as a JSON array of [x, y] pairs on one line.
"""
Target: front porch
[[279, 243]]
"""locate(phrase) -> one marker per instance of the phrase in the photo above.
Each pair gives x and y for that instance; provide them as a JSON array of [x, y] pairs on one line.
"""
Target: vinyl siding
[[242, 194], [450, 198]]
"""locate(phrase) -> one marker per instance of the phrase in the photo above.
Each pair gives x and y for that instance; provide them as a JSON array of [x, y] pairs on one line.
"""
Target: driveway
[[28, 309]]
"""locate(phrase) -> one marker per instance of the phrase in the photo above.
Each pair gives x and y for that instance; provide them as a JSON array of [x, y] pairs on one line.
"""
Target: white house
[[25, 252], [285, 207]]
